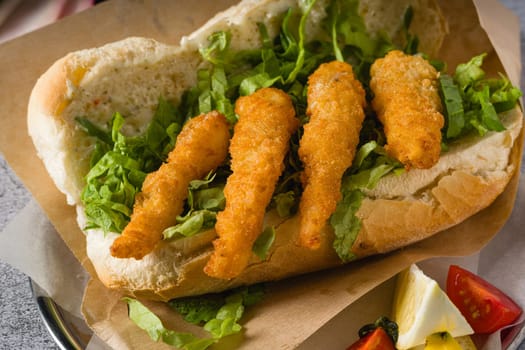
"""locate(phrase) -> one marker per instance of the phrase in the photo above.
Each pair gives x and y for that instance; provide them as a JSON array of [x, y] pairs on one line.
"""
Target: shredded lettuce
[[370, 164], [412, 41], [205, 199], [217, 50], [454, 113], [120, 163], [300, 45], [219, 314], [149, 322], [346, 224], [202, 309], [264, 242], [472, 101], [350, 39], [285, 203], [191, 224]]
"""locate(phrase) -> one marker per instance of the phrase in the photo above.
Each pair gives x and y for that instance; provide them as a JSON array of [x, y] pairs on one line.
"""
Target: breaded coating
[[259, 144], [201, 146], [407, 102], [336, 102]]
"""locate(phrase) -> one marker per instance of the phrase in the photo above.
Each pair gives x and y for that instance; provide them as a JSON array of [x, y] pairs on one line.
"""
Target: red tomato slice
[[378, 339], [485, 307]]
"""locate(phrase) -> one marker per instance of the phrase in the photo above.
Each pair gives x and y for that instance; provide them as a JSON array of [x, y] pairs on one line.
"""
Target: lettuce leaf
[[472, 102], [202, 309], [264, 242], [370, 164], [149, 322], [191, 224], [218, 314], [453, 103], [285, 203], [346, 224], [350, 39], [412, 41], [120, 163], [205, 199], [301, 52]]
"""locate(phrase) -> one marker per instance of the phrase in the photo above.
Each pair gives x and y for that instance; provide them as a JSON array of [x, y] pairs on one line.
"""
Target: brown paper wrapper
[[293, 309]]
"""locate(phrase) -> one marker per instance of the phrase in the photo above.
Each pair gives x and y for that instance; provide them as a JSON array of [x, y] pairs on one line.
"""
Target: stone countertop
[[20, 322]]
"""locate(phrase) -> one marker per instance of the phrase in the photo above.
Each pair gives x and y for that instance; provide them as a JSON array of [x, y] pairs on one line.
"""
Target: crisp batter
[[407, 102], [201, 146], [336, 103], [259, 144]]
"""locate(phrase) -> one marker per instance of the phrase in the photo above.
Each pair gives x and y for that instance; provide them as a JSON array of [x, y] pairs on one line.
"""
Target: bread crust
[[399, 211]]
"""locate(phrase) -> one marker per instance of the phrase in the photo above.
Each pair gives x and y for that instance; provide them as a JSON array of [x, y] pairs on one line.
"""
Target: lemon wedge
[[422, 308]]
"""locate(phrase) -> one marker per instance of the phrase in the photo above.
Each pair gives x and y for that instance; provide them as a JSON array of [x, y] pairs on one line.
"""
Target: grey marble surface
[[20, 322]]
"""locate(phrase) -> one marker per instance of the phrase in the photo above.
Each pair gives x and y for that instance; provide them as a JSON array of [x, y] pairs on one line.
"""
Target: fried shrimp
[[408, 104], [201, 146], [336, 103], [258, 147]]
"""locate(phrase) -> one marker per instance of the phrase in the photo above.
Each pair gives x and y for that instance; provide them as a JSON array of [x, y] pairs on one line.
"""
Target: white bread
[[128, 76]]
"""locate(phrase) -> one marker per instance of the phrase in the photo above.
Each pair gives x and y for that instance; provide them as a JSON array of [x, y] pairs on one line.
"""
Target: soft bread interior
[[130, 75], [127, 77]]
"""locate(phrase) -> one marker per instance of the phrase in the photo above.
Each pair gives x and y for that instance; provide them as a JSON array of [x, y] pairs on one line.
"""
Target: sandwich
[[280, 138]]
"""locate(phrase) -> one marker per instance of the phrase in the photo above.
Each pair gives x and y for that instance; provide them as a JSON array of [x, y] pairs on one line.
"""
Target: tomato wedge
[[485, 307], [378, 339]]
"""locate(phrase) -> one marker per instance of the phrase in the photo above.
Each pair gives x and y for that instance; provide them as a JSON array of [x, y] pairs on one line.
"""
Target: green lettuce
[[219, 314], [191, 224], [146, 320], [472, 102], [119, 165], [346, 224], [370, 164], [205, 199], [350, 39], [264, 242]]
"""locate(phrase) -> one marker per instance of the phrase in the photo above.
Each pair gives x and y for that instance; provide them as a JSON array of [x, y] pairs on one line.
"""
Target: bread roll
[[128, 76]]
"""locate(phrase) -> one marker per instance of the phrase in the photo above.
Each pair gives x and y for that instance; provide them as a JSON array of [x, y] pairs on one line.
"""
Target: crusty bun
[[129, 76]]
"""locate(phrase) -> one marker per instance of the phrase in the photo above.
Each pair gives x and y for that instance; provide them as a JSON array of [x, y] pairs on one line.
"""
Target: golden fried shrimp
[[407, 102], [258, 147], [336, 103], [201, 146]]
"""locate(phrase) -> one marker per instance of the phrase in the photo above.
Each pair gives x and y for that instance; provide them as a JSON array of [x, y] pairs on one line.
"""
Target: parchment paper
[[294, 309]]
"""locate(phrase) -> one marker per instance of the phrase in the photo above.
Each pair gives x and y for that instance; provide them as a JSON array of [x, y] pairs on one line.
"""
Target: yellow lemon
[[444, 341], [421, 308], [441, 341]]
